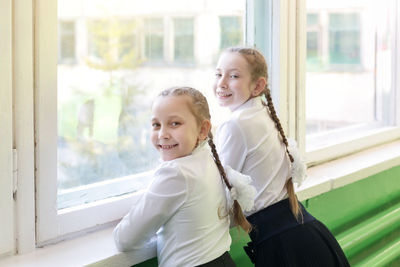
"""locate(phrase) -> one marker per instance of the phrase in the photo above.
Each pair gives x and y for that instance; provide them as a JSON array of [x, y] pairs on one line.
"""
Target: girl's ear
[[204, 129], [259, 87]]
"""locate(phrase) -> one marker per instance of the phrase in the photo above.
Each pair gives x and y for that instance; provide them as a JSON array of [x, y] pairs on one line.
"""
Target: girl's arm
[[231, 145], [164, 197]]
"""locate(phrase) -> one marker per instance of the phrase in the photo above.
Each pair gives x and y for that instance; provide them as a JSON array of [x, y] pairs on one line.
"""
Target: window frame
[[54, 225], [7, 240]]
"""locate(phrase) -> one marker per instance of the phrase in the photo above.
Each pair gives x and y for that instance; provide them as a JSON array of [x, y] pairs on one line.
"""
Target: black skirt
[[278, 239], [224, 260]]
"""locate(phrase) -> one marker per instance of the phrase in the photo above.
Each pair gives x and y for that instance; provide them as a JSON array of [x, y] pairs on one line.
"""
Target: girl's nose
[[222, 82], [163, 133]]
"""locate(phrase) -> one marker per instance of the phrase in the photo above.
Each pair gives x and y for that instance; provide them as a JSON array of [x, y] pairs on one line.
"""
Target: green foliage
[[112, 44]]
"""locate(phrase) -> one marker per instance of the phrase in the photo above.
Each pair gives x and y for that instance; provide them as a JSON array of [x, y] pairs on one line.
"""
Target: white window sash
[[52, 224], [23, 86], [362, 137]]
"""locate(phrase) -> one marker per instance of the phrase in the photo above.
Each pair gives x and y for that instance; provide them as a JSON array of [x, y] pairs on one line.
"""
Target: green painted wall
[[340, 210], [348, 205]]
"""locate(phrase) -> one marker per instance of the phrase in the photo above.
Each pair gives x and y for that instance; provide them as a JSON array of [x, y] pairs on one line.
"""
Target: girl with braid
[[188, 202], [253, 142]]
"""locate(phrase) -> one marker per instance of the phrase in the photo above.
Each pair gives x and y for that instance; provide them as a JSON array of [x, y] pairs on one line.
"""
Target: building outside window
[[183, 39], [344, 38], [67, 42], [231, 31], [314, 48], [154, 39]]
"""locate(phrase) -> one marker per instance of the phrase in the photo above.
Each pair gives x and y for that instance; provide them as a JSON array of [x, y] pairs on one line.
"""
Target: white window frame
[[52, 224], [7, 241]]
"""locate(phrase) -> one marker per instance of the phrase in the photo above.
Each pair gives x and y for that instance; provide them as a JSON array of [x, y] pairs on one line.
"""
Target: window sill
[[98, 248], [343, 171]]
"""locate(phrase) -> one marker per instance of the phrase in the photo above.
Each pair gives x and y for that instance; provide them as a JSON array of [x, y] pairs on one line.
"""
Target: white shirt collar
[[252, 102]]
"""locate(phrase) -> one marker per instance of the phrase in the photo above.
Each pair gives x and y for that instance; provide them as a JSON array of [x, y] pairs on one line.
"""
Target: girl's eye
[[155, 125], [218, 75], [234, 76], [175, 123]]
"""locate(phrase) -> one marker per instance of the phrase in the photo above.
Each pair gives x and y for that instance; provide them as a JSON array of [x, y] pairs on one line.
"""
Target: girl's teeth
[[167, 146], [223, 94]]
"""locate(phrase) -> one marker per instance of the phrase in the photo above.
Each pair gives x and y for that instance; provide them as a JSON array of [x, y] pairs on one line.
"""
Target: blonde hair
[[258, 68], [200, 109]]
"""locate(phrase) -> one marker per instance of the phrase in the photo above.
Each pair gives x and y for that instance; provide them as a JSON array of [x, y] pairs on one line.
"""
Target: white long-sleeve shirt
[[250, 143], [186, 206]]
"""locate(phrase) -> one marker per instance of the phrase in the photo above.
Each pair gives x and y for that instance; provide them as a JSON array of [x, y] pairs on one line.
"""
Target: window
[[93, 142], [350, 72]]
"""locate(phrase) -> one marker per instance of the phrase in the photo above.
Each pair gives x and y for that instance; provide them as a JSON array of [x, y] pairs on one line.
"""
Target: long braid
[[258, 65], [294, 204], [238, 216]]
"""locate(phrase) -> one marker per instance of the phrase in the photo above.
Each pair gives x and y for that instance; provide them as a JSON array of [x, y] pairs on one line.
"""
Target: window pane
[[344, 38], [67, 41], [126, 52], [349, 69], [231, 31], [184, 40], [154, 39]]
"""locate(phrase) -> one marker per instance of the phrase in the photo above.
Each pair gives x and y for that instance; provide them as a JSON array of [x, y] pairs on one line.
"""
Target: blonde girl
[[252, 141], [185, 205]]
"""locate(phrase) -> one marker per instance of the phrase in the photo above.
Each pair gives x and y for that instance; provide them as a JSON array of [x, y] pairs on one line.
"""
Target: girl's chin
[[224, 103]]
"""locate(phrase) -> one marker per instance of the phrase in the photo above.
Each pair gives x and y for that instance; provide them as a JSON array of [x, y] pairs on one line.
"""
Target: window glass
[[126, 52], [231, 31], [344, 38], [154, 39], [349, 69], [183, 39], [67, 41], [313, 40]]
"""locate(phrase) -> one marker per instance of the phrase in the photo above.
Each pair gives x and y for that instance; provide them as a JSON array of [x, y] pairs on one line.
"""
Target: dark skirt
[[278, 239], [224, 260]]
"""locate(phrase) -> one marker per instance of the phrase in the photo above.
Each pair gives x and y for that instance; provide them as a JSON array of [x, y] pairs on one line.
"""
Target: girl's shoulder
[[168, 169], [168, 177]]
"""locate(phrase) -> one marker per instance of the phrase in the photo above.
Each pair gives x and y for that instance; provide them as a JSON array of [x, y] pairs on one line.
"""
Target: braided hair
[[258, 68], [199, 108]]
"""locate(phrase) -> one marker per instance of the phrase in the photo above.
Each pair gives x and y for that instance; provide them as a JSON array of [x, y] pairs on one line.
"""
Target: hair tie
[[241, 190], [233, 193]]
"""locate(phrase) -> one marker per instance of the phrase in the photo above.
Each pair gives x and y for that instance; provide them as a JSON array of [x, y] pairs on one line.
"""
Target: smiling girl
[[252, 141], [186, 203]]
